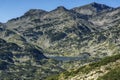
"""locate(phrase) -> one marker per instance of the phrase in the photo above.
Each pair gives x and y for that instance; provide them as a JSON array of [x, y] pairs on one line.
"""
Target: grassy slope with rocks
[[101, 70]]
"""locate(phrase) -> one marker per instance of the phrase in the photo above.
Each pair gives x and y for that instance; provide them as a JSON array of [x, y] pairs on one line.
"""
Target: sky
[[14, 8]]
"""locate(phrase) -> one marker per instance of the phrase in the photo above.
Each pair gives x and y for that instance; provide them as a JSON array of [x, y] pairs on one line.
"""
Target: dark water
[[61, 58]]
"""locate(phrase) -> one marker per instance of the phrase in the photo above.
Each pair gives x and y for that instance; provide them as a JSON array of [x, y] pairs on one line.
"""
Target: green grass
[[112, 75], [53, 77], [105, 61]]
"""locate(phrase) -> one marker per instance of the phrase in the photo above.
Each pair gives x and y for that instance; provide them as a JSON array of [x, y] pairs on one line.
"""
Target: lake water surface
[[62, 58]]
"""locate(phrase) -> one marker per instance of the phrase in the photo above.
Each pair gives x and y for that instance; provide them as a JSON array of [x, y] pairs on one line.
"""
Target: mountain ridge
[[90, 4]]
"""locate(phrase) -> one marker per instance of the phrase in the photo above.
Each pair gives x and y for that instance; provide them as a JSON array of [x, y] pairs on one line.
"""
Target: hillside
[[105, 69], [84, 34]]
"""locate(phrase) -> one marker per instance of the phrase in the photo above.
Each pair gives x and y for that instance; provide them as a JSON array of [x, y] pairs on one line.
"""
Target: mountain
[[92, 9], [57, 25], [89, 32], [67, 32]]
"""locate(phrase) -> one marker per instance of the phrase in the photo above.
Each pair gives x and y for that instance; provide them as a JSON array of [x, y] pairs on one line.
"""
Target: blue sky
[[14, 8]]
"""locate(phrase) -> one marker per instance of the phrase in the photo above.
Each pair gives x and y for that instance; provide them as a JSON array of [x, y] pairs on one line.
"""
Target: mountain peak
[[97, 5], [34, 11], [94, 3], [61, 8], [92, 8]]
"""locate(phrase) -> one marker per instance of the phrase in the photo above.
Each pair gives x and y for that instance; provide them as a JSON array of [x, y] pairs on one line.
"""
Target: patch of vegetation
[[112, 75], [53, 77], [105, 61]]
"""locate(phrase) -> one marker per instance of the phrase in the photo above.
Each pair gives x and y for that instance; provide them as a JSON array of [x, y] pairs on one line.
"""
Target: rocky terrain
[[90, 32]]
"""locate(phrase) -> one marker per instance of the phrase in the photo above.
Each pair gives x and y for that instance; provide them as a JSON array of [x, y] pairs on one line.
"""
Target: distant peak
[[94, 3], [92, 8], [97, 6], [62, 8]]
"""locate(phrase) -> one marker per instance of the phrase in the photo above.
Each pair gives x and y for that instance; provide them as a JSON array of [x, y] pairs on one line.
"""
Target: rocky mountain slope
[[109, 18], [26, 62], [90, 32], [69, 32]]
